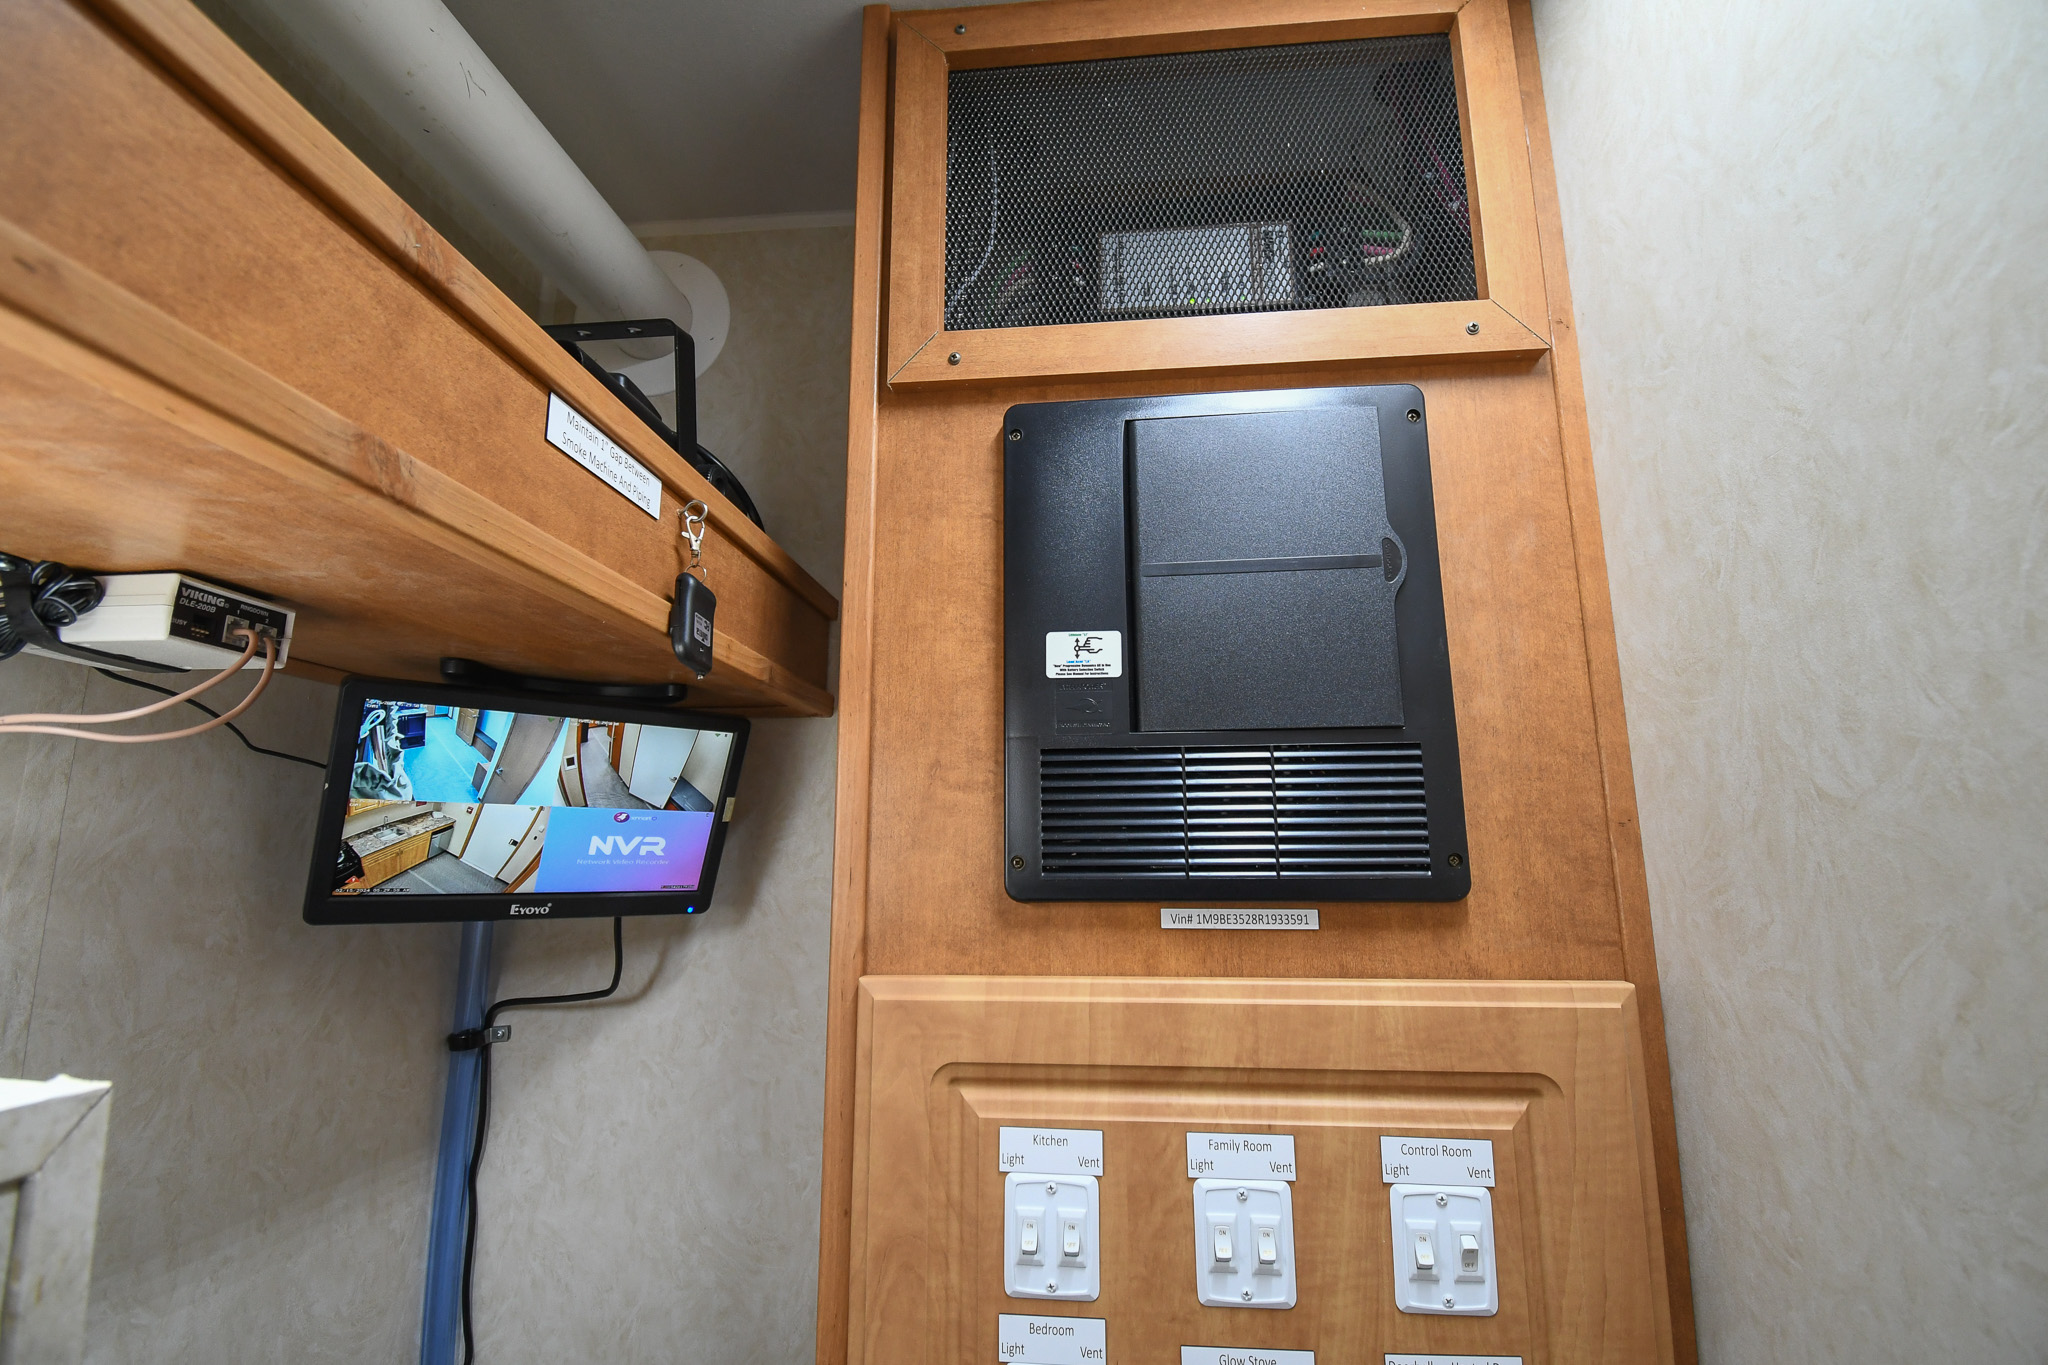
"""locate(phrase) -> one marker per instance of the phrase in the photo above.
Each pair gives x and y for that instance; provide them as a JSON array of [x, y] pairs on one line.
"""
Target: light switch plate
[[1443, 1250], [1244, 1243], [1052, 1236]]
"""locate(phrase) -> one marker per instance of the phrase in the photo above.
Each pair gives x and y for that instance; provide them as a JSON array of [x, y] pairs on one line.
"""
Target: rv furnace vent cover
[[1313, 175], [1225, 667]]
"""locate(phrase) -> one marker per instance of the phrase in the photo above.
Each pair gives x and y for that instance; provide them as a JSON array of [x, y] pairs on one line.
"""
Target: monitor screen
[[447, 803]]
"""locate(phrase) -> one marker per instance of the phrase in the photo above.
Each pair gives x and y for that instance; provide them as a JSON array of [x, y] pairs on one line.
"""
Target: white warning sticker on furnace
[[1084, 654]]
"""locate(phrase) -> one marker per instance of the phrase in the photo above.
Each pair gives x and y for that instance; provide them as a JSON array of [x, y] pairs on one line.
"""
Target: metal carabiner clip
[[696, 516]]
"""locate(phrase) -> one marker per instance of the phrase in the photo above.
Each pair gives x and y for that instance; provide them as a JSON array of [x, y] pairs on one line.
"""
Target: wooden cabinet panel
[[1549, 1072], [1506, 322], [227, 348], [1558, 887]]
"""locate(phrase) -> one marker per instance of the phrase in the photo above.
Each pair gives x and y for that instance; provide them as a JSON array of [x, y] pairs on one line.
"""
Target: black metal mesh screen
[[1321, 175]]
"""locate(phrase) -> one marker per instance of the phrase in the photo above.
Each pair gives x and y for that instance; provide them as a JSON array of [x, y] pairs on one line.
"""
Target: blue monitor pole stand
[[441, 1313]]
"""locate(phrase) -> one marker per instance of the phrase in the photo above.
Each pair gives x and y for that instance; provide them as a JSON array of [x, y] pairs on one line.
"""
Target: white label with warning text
[[1084, 654], [576, 436]]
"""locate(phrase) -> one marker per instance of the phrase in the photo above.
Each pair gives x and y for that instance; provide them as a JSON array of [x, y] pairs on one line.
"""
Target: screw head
[[1472, 329], [954, 358], [1016, 435], [1415, 414], [1052, 1287], [1052, 1189], [1017, 864], [1450, 1302], [1442, 1200], [1456, 860], [959, 28], [1247, 1296], [1243, 1195]]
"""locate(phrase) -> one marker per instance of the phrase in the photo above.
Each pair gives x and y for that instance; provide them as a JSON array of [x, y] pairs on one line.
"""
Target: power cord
[[233, 729], [480, 1039], [58, 596], [47, 722]]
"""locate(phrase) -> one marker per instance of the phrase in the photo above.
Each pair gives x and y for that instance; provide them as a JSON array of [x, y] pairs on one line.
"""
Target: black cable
[[59, 595], [246, 742], [483, 1104]]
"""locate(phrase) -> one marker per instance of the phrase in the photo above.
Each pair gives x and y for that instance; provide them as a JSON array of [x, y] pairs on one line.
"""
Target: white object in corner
[[1443, 1250], [53, 1139], [710, 307], [1052, 1235]]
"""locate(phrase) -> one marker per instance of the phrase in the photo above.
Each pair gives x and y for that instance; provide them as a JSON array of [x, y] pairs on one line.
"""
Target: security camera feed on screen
[[455, 801]]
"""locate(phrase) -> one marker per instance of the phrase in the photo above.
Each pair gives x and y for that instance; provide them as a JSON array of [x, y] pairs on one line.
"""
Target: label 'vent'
[[1022, 1339], [1241, 1156], [1050, 1151], [1436, 1161]]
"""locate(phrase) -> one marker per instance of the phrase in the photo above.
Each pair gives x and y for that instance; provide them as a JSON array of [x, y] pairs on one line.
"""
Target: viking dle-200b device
[[1226, 673]]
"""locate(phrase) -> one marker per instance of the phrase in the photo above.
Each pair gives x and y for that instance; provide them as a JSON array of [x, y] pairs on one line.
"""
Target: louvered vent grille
[[1296, 810]]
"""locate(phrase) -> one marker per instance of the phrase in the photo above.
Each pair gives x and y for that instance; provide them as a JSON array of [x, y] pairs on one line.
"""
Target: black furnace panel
[[1289, 577], [1226, 675]]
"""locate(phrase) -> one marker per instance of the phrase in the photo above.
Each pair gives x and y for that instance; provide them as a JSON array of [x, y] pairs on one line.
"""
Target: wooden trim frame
[[1603, 659], [1505, 323], [848, 951]]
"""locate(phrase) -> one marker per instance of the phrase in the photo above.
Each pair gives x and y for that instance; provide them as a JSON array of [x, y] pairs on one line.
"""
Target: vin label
[[1240, 919]]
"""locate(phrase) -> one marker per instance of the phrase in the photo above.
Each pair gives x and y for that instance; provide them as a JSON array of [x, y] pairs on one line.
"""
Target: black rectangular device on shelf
[[456, 803], [1226, 674]]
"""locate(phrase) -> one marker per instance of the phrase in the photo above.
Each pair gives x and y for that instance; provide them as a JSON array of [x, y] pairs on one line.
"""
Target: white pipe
[[412, 63]]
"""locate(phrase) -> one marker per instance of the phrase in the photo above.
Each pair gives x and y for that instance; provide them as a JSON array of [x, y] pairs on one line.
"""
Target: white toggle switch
[[1459, 1219], [1035, 1208], [1244, 1213]]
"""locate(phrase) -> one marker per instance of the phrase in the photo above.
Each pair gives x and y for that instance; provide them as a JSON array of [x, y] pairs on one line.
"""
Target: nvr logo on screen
[[650, 846], [519, 909]]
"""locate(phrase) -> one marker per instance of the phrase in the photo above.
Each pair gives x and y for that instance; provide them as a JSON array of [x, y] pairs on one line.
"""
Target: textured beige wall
[[651, 1189], [276, 1087], [651, 1192], [1809, 248]]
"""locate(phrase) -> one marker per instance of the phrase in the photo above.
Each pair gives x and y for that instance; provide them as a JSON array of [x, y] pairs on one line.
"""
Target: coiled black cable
[[59, 593]]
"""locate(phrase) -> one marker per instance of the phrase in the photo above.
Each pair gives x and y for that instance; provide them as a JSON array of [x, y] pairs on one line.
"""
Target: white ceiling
[[689, 108]]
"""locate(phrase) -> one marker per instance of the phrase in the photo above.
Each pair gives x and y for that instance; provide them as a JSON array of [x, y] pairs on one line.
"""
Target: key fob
[[689, 624]]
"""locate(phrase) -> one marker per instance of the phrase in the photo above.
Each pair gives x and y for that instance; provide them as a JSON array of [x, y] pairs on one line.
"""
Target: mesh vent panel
[[1320, 175], [1335, 810]]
